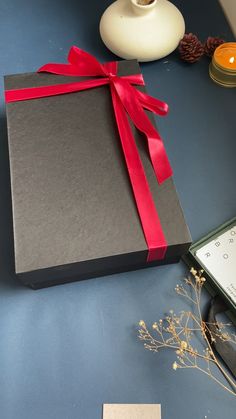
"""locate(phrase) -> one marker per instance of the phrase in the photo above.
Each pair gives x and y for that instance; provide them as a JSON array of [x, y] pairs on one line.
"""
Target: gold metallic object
[[222, 68]]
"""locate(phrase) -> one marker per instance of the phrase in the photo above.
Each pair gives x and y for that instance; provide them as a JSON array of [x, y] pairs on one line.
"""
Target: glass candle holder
[[222, 68]]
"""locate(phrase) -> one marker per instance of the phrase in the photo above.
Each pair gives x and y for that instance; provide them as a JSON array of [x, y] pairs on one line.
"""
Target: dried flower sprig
[[145, 2], [179, 332]]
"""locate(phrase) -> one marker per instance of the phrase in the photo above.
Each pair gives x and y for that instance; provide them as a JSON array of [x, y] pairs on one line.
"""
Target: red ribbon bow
[[126, 100]]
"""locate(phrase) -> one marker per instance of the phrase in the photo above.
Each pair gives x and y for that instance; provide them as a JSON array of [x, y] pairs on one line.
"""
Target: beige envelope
[[131, 411]]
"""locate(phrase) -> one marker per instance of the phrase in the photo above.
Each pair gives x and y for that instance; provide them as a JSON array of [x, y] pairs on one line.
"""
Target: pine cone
[[190, 48], [211, 44]]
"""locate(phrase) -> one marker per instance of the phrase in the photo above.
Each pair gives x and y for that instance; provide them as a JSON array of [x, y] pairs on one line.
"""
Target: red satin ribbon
[[126, 100]]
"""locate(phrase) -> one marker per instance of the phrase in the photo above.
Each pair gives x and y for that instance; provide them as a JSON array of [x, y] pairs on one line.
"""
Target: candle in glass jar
[[223, 66]]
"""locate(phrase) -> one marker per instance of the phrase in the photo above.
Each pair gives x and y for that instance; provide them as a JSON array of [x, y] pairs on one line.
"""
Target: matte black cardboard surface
[[74, 214]]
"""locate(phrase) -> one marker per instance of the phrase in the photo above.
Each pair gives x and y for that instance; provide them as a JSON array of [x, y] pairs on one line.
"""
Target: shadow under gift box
[[74, 213]]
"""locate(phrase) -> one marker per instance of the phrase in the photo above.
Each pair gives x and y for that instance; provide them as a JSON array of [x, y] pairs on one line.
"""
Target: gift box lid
[[71, 194]]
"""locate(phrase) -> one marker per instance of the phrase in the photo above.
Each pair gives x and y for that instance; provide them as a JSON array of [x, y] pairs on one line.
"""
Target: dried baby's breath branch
[[144, 2], [178, 332]]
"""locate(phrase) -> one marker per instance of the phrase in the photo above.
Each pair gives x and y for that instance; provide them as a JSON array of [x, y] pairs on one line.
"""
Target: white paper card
[[219, 258], [131, 411]]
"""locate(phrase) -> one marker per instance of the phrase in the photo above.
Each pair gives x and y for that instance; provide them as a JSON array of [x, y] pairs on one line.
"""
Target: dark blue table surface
[[66, 350]]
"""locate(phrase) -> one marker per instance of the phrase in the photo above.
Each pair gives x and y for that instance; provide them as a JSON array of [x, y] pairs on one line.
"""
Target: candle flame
[[231, 60]]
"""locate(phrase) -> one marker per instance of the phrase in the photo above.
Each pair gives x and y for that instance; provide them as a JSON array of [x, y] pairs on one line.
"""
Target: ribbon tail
[[158, 155], [151, 103], [149, 218]]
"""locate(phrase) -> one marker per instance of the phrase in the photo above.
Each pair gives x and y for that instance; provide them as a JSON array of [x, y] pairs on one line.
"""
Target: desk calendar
[[216, 254]]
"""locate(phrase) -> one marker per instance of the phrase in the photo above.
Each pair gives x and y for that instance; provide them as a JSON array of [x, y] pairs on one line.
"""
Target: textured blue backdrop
[[66, 350]]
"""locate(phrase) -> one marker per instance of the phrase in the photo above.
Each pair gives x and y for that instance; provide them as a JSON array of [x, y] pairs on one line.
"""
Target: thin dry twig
[[144, 2]]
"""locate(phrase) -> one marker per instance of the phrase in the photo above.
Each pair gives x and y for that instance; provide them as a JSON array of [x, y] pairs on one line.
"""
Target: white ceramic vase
[[144, 32]]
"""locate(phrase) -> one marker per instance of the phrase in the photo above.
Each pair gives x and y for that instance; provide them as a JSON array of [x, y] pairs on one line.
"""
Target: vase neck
[[142, 9]]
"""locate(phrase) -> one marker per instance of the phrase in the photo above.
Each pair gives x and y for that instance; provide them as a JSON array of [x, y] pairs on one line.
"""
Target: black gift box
[[74, 213]]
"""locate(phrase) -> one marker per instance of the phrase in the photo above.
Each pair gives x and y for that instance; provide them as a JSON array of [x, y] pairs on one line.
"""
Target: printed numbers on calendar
[[218, 258]]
